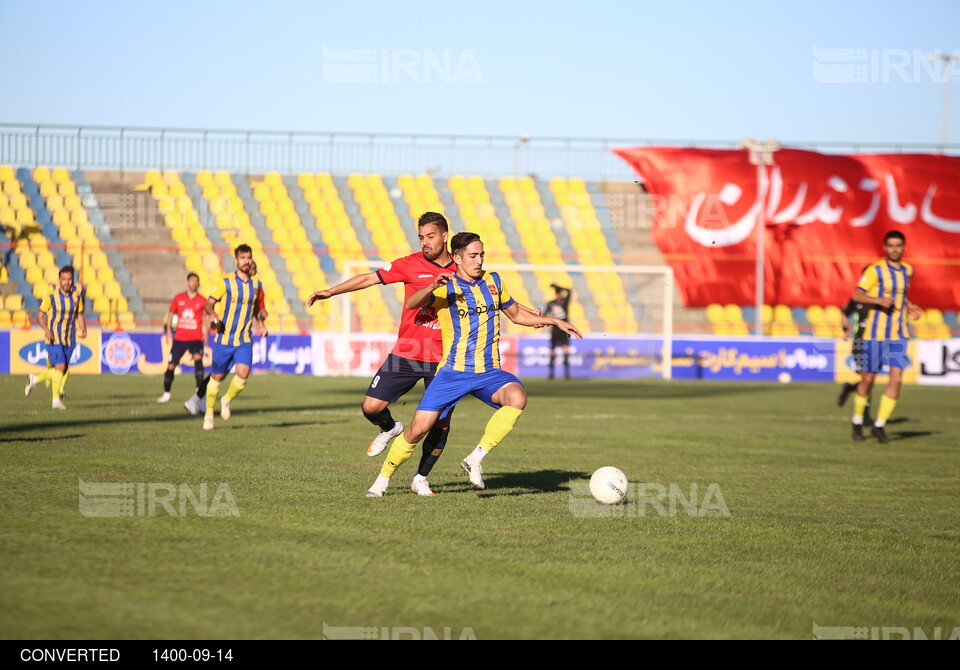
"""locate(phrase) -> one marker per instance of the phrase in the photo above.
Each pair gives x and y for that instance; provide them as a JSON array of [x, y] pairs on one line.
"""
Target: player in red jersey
[[192, 331], [418, 349]]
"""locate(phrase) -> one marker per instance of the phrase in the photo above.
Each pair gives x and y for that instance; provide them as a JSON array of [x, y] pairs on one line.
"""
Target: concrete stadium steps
[[629, 211], [155, 267]]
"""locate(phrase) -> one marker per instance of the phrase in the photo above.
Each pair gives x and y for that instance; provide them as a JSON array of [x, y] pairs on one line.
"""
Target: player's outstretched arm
[[532, 310], [355, 283], [421, 298], [528, 318]]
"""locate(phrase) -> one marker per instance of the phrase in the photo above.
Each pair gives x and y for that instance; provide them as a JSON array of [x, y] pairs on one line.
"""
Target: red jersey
[[419, 338], [189, 313]]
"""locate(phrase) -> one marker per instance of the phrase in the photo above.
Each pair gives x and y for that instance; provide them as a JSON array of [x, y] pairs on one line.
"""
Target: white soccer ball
[[608, 485]]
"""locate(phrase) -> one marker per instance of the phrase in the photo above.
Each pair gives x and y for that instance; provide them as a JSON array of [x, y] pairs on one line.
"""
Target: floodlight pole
[[950, 59], [760, 155]]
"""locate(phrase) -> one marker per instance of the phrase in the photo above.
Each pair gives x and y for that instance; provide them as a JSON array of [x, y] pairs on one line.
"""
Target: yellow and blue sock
[[498, 427], [213, 390], [236, 386], [859, 407], [886, 409]]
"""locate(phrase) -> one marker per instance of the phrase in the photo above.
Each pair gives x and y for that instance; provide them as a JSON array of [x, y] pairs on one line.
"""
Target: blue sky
[[659, 70]]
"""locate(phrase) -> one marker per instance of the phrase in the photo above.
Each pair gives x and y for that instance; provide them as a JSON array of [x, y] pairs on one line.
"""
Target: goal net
[[625, 313]]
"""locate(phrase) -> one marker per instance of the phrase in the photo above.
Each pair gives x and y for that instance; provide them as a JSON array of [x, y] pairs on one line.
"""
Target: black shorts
[[558, 338], [398, 375], [178, 349]]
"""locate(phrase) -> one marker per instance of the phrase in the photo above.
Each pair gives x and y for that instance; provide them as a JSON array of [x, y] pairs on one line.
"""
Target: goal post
[[648, 291]]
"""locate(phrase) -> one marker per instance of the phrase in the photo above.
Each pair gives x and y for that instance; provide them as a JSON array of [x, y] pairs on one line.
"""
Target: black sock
[[383, 419], [167, 381], [202, 388], [433, 446], [566, 366], [198, 372], [552, 359]]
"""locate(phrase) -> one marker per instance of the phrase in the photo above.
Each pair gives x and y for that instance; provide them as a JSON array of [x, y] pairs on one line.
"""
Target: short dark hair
[[67, 268], [435, 218], [895, 235], [461, 241], [193, 274], [243, 248]]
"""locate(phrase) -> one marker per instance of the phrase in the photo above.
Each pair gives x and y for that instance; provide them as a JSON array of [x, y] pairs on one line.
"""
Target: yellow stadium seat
[[5, 320], [60, 175], [66, 188], [7, 173], [20, 319], [816, 316], [716, 313], [782, 314], [41, 174], [832, 315], [13, 302]]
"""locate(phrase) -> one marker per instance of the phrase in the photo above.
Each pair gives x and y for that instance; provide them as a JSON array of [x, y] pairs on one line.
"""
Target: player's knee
[[516, 398], [373, 405]]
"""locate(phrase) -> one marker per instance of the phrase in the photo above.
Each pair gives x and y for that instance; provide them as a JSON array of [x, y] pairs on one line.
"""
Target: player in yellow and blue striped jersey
[[47, 375], [468, 305], [233, 342], [884, 284], [61, 317]]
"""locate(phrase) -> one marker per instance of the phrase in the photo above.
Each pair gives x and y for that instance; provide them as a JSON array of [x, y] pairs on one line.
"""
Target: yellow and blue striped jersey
[[63, 310], [239, 298], [883, 279], [469, 315]]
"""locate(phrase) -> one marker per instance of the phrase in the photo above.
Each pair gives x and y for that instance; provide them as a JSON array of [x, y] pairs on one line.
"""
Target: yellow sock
[[886, 409], [46, 375], [55, 378], [859, 407], [63, 382], [399, 452], [213, 390], [236, 385], [499, 426]]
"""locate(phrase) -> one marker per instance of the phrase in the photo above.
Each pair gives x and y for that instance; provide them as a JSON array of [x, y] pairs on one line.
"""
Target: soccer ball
[[608, 485]]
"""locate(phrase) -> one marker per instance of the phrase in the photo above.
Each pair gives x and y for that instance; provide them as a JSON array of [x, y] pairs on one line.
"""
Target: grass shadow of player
[[909, 434], [54, 438], [525, 483]]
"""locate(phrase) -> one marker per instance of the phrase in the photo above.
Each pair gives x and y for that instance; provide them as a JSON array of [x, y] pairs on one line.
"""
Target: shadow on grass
[[517, 483], [141, 418], [908, 434], [54, 438]]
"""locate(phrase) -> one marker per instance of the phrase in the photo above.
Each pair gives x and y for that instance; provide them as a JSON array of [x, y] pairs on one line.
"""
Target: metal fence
[[256, 152]]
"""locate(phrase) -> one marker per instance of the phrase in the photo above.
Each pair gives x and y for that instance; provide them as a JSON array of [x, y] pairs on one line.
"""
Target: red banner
[[824, 217]]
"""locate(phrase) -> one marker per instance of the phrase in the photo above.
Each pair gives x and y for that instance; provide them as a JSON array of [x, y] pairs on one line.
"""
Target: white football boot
[[381, 441]]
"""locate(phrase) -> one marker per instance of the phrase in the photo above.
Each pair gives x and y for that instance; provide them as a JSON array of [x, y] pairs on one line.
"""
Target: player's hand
[[441, 279], [915, 312], [319, 295], [886, 302], [569, 329]]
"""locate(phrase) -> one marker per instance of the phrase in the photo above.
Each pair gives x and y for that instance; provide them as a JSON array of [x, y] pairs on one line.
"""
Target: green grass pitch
[[818, 530]]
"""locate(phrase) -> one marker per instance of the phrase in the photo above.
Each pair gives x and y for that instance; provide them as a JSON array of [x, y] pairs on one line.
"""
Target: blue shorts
[[59, 354], [449, 387], [875, 355], [225, 357], [398, 375]]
